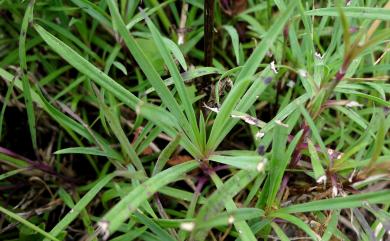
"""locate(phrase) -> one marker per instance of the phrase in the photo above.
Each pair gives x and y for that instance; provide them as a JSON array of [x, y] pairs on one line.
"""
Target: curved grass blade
[[80, 206], [154, 227], [85, 67], [217, 201], [166, 154], [235, 41], [150, 72], [112, 220], [281, 234], [332, 226], [242, 227], [298, 222], [28, 224], [93, 10], [242, 82], [177, 78]]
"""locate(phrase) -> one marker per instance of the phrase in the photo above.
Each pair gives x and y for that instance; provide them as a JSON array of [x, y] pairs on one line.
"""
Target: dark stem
[[203, 85], [208, 32]]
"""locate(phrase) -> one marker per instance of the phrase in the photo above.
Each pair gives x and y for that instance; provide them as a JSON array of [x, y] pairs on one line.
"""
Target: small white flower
[[378, 229], [231, 219], [187, 226], [350, 179], [213, 109], [259, 135], [354, 104], [291, 84], [334, 191], [321, 179], [102, 229], [180, 40], [273, 67], [279, 122], [319, 56], [302, 73], [261, 165]]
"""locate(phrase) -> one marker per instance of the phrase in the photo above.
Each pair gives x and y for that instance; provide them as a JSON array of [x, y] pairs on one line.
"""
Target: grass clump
[[117, 125]]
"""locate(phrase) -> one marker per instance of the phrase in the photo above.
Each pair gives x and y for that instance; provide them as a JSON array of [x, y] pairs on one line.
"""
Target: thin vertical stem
[[208, 31]]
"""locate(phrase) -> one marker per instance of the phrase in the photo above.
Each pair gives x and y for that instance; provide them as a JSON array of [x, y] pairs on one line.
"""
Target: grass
[[116, 125]]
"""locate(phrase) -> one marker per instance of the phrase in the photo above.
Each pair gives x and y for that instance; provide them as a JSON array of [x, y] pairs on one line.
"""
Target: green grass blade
[[354, 12], [224, 113], [85, 67], [319, 172], [25, 222], [122, 210], [332, 225], [352, 201], [235, 41], [165, 155], [93, 10], [226, 218], [27, 20], [11, 173], [150, 72], [315, 132], [6, 101], [259, 53], [243, 162], [242, 227], [115, 124], [177, 78], [246, 73], [279, 232], [379, 139], [152, 225], [216, 202], [80, 206], [299, 223], [86, 151]]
